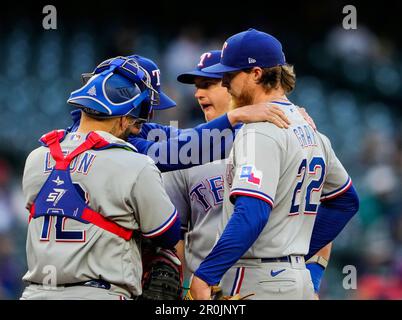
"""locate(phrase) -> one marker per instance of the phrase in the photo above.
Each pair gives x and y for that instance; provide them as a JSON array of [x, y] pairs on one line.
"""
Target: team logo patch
[[251, 175]]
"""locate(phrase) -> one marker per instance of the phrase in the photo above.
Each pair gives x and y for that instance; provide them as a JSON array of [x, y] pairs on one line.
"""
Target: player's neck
[[87, 125], [274, 94]]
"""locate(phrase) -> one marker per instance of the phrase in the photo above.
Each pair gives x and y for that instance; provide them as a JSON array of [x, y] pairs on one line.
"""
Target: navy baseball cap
[[207, 59], [164, 101], [247, 49]]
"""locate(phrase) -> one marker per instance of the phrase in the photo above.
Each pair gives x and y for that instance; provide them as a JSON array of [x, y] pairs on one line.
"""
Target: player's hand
[[199, 289], [259, 113], [306, 117]]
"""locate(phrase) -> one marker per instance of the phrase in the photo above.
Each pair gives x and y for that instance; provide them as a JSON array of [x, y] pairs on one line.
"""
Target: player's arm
[[332, 216], [173, 139], [317, 265], [159, 143], [249, 219], [156, 215], [182, 149], [247, 114], [339, 203]]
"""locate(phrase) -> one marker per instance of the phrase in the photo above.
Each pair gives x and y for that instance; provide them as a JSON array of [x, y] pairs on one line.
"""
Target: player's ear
[[122, 123], [256, 74]]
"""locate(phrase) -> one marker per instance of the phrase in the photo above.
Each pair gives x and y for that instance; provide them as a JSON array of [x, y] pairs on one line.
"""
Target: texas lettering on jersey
[[212, 186]]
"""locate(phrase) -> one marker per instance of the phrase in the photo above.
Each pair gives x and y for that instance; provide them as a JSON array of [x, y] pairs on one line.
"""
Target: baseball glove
[[216, 294], [162, 274]]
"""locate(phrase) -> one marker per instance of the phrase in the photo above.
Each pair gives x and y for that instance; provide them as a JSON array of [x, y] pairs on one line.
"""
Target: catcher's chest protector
[[59, 197]]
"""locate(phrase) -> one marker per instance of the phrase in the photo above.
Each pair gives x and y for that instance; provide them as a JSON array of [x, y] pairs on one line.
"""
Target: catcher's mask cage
[[118, 86]]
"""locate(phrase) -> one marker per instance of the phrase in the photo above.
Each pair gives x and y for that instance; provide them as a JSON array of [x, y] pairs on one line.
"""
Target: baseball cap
[[247, 49], [164, 101], [207, 59]]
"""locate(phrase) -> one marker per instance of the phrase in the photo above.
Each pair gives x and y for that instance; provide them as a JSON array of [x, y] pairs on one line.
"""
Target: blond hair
[[279, 75]]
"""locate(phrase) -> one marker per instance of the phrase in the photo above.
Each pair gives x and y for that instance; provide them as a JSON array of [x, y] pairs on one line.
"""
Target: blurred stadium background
[[350, 81]]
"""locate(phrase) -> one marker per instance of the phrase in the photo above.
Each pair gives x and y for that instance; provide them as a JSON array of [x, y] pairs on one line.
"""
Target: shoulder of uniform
[[125, 160], [325, 140], [265, 129], [37, 152]]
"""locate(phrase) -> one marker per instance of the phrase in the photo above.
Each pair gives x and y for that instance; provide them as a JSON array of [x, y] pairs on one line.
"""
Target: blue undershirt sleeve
[[248, 220], [332, 217], [176, 149]]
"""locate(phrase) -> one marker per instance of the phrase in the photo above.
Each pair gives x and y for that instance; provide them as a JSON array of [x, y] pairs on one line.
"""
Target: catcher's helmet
[[117, 87], [165, 102]]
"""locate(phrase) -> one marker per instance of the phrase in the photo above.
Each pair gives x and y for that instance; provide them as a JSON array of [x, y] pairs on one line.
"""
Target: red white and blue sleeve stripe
[[168, 234], [337, 192], [164, 227], [251, 193]]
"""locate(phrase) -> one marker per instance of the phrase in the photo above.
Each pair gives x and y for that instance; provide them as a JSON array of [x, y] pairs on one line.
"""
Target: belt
[[101, 284], [281, 259]]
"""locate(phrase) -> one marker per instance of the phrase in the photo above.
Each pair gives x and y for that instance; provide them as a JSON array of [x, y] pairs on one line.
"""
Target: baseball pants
[[269, 280]]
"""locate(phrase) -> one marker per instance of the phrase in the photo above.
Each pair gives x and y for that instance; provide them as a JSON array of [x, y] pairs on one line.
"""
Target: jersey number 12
[[62, 235]]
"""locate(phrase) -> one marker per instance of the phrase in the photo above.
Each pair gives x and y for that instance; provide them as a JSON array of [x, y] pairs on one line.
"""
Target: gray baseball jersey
[[116, 183], [197, 193], [292, 170]]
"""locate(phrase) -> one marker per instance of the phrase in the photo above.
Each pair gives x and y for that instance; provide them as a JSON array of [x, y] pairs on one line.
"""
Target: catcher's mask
[[117, 87]]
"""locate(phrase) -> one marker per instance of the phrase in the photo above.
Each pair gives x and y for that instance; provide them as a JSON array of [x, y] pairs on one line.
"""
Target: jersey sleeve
[[153, 209], [168, 146], [149, 126], [337, 180], [257, 159], [176, 188]]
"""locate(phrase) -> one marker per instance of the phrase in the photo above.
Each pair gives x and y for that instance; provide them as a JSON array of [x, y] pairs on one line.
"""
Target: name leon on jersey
[[81, 164]]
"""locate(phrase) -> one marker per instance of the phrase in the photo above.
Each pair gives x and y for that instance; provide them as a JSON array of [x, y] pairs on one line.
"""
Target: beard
[[243, 99], [125, 134], [134, 129]]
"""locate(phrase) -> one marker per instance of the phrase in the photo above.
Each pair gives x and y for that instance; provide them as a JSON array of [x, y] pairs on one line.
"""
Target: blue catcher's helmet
[[117, 87], [165, 102]]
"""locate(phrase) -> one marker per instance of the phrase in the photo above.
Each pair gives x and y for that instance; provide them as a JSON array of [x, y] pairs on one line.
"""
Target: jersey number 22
[[315, 185]]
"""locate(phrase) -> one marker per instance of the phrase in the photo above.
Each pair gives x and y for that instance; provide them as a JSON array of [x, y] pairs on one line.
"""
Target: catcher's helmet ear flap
[[110, 94]]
